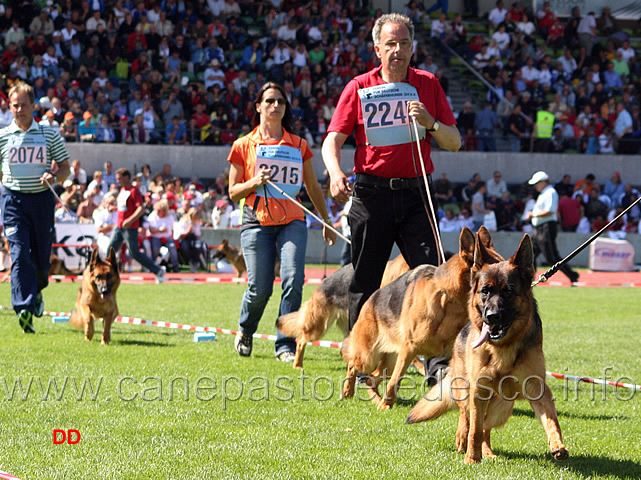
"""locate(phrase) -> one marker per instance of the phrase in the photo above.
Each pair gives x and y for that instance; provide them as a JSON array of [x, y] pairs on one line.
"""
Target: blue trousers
[[261, 245], [130, 236], [29, 227]]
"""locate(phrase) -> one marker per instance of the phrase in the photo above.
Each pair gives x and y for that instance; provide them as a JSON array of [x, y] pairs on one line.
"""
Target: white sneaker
[[160, 276]]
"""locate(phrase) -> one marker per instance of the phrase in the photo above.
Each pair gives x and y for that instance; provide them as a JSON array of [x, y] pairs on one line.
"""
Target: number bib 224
[[385, 113], [286, 164]]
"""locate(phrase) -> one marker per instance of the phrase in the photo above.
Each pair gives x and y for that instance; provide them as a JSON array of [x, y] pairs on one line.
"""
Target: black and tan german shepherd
[[497, 358], [233, 255], [97, 296], [328, 306], [420, 313]]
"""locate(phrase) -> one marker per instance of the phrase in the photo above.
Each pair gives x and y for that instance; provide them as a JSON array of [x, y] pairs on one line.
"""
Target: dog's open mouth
[[106, 296], [492, 333]]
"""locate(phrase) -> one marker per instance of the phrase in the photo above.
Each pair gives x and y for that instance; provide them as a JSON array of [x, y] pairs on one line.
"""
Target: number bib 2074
[[27, 156], [385, 113], [286, 164]]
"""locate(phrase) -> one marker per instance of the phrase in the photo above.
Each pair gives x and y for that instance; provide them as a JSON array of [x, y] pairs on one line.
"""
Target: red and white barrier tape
[[7, 476], [597, 381], [192, 328], [318, 343]]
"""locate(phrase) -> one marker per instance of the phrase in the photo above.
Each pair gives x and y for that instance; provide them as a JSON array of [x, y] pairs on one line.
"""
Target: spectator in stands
[[606, 24], [160, 224], [176, 132], [443, 190], [497, 15], [543, 130], [496, 186], [140, 134], [105, 132], [77, 173], [478, 205], [518, 130], [570, 211], [69, 129], [486, 121], [187, 233], [623, 131], [587, 32], [449, 223], [466, 122], [546, 18], [87, 128], [614, 188]]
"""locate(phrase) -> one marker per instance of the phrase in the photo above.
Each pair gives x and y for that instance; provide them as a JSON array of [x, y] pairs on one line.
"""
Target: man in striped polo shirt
[[32, 157]]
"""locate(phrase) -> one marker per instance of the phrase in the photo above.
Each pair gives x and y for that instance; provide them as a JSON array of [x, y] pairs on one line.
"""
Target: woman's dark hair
[[288, 119]]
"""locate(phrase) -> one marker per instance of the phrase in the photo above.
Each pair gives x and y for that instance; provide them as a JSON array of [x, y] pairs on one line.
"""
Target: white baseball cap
[[538, 177]]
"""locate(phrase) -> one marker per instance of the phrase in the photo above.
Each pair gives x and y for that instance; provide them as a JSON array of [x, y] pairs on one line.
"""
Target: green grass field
[[156, 405]]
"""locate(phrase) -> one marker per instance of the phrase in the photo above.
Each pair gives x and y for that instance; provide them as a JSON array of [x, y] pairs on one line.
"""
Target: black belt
[[391, 183]]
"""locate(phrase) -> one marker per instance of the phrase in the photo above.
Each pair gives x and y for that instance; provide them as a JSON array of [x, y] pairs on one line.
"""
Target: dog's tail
[[292, 324], [75, 319], [433, 404]]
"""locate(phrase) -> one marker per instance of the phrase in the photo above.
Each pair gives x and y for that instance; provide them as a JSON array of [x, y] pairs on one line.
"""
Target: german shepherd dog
[[328, 305], [420, 313], [97, 296], [498, 358], [234, 255]]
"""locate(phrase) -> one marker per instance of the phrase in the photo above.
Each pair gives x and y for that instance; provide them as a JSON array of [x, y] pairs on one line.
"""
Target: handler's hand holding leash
[[417, 112], [329, 232], [340, 188]]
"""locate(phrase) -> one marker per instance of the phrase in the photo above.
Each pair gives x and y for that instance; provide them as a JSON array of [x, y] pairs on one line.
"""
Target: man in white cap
[[544, 220]]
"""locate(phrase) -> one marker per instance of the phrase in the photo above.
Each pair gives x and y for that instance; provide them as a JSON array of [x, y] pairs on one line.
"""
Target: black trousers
[[380, 217], [544, 241]]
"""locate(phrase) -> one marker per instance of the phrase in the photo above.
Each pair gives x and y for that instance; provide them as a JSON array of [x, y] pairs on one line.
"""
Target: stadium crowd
[[181, 72]]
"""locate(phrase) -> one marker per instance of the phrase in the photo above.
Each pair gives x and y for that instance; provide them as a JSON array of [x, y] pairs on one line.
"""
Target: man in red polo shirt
[[387, 204], [130, 209]]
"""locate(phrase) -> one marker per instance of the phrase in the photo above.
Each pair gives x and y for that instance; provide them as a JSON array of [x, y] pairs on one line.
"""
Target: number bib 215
[[286, 164], [385, 113]]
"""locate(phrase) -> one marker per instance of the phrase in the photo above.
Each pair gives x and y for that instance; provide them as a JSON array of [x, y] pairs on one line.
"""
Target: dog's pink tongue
[[485, 333], [106, 296]]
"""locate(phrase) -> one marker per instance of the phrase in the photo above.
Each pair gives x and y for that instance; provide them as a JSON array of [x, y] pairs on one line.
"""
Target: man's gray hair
[[391, 18]]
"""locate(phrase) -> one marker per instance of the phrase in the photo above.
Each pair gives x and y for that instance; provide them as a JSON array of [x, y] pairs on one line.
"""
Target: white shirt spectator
[[526, 27], [216, 6], [587, 25], [502, 39], [497, 15], [627, 53], [530, 73], [5, 118]]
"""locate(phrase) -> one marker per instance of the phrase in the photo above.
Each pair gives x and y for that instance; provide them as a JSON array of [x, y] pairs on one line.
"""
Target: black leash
[[544, 277]]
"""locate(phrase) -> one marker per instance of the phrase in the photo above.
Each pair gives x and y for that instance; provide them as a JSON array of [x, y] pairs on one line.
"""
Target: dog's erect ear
[[224, 243], [466, 246], [523, 259], [484, 237], [111, 258], [95, 256]]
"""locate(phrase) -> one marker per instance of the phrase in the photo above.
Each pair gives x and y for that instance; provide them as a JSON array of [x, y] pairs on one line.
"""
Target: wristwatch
[[435, 127]]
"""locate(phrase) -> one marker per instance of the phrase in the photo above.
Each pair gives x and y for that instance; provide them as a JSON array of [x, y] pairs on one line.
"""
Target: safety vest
[[544, 124]]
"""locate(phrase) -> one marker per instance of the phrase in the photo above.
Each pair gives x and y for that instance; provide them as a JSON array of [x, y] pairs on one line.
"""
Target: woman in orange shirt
[[273, 226]]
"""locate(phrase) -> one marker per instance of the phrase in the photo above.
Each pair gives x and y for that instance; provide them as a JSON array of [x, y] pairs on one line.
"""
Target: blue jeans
[[261, 246], [29, 227], [130, 236], [156, 243]]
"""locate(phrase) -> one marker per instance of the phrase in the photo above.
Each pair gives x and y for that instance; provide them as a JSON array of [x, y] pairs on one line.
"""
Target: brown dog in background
[[498, 358], [97, 296], [420, 313], [235, 257]]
